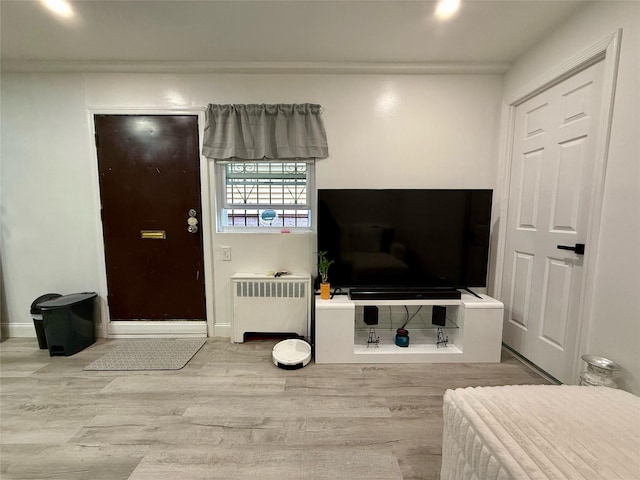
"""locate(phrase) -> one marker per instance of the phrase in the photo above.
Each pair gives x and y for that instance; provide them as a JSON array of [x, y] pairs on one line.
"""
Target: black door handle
[[579, 248]]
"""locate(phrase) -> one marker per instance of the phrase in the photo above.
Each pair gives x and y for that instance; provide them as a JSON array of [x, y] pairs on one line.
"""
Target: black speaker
[[370, 315], [439, 315]]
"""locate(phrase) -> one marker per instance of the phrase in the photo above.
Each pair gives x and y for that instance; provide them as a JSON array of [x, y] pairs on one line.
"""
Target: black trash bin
[[68, 323], [36, 314]]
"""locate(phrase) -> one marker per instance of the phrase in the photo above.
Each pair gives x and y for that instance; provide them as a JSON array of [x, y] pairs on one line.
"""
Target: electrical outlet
[[226, 254]]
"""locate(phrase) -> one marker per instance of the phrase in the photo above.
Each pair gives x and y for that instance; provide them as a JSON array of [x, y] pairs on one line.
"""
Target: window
[[264, 195]]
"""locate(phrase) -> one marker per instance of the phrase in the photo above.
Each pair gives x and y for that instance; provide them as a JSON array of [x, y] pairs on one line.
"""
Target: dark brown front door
[[149, 181]]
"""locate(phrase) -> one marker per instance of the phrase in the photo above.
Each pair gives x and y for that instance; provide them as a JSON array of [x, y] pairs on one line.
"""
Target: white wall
[[48, 212], [383, 131], [615, 328]]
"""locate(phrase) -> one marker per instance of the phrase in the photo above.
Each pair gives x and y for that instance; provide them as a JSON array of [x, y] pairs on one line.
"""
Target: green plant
[[323, 266]]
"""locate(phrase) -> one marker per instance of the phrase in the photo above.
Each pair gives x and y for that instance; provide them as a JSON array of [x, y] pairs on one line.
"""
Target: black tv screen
[[405, 237]]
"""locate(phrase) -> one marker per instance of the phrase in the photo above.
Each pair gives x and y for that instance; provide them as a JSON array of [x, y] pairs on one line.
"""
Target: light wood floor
[[229, 414]]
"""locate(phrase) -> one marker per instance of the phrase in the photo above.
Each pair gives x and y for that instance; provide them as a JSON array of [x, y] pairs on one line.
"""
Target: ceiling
[[238, 32]]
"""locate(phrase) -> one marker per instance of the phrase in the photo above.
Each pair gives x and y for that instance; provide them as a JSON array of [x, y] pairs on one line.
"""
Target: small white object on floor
[[291, 354]]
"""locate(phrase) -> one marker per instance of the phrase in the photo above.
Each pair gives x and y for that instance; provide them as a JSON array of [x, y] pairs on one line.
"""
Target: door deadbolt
[[192, 221]]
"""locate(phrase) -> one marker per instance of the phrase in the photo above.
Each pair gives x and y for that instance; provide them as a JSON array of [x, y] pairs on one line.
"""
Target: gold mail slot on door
[[153, 234]]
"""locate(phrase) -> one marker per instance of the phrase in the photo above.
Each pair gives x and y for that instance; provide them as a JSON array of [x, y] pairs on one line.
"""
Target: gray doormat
[[151, 354]]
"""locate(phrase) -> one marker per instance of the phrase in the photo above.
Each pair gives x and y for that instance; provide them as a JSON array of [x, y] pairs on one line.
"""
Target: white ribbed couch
[[541, 432]]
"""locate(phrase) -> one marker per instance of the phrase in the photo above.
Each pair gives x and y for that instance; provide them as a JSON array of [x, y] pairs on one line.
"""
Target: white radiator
[[267, 304]]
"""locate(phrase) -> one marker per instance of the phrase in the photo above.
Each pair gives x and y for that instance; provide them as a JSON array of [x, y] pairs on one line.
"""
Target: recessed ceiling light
[[445, 9], [61, 8]]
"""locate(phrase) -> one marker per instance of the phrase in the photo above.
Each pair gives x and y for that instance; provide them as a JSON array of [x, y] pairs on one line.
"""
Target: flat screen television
[[404, 240]]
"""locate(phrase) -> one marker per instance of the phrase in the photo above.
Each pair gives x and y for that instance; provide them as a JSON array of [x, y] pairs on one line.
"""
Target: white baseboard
[[27, 330], [18, 330], [222, 330], [129, 329], [150, 329]]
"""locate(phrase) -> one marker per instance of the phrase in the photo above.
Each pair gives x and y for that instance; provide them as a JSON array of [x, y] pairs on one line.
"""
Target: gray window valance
[[264, 132]]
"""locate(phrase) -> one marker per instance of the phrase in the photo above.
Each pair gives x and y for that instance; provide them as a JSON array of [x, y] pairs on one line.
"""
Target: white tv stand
[[473, 327]]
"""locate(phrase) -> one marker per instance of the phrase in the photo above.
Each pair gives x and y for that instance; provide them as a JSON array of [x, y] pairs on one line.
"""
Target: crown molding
[[417, 68]]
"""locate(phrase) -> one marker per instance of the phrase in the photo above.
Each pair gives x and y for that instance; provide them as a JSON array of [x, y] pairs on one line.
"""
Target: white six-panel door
[[552, 171]]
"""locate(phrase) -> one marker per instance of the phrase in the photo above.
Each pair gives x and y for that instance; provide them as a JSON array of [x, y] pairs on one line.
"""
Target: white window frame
[[222, 203]]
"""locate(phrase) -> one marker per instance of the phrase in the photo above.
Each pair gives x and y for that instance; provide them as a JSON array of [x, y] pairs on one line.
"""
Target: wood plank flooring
[[229, 414]]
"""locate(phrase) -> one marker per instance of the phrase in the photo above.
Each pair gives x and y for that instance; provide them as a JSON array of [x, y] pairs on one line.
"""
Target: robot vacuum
[[291, 354]]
